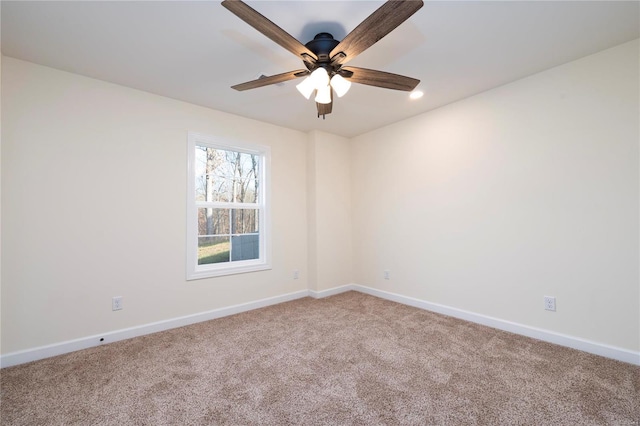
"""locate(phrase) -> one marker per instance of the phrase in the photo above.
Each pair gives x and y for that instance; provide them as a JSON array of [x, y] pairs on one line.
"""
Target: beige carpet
[[347, 359]]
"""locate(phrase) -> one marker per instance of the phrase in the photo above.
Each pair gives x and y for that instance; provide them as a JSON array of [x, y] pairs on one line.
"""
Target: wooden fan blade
[[383, 79], [273, 79], [380, 23], [266, 27]]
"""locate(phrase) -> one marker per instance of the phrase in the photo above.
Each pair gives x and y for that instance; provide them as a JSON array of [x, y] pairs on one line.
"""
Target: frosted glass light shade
[[320, 78], [306, 87], [324, 95], [340, 84]]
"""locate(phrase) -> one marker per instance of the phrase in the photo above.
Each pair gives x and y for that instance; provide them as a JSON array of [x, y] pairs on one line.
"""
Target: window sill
[[226, 270]]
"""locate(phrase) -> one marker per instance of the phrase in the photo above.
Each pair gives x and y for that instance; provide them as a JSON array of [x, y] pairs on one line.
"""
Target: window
[[227, 208]]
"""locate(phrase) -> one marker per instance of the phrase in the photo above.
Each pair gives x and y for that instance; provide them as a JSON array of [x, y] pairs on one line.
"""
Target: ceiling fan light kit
[[319, 81], [324, 57]]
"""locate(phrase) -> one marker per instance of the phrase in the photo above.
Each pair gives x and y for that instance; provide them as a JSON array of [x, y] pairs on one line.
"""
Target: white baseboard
[[331, 291], [42, 352], [584, 345]]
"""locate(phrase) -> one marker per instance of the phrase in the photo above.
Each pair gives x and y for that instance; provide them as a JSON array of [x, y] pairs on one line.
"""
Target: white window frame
[[195, 271]]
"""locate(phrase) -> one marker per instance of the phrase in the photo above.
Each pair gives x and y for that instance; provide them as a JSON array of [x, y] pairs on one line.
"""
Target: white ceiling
[[194, 51]]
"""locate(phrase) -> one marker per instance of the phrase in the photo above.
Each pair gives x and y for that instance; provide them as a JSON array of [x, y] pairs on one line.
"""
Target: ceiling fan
[[324, 57]]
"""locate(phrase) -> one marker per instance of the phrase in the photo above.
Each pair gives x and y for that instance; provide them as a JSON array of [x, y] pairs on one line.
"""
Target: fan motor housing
[[322, 45]]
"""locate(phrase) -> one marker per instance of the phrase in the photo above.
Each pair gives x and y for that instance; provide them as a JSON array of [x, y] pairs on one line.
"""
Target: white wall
[[485, 205], [527, 190], [0, 192], [329, 214], [93, 206]]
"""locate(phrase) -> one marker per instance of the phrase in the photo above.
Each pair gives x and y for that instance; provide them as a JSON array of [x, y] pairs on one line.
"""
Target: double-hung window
[[227, 207]]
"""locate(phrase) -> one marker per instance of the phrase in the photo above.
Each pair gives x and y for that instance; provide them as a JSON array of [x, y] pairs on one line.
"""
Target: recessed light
[[416, 94]]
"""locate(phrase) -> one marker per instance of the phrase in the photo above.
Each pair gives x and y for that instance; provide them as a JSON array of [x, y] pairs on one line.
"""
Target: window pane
[[245, 247], [212, 183], [245, 178], [244, 221], [226, 176], [213, 250], [213, 221]]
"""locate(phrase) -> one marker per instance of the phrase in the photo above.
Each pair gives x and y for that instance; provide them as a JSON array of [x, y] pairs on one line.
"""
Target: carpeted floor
[[347, 359]]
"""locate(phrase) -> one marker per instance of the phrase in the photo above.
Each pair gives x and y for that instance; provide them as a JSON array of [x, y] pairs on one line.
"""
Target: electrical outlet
[[116, 303], [549, 303], [296, 274], [387, 274]]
